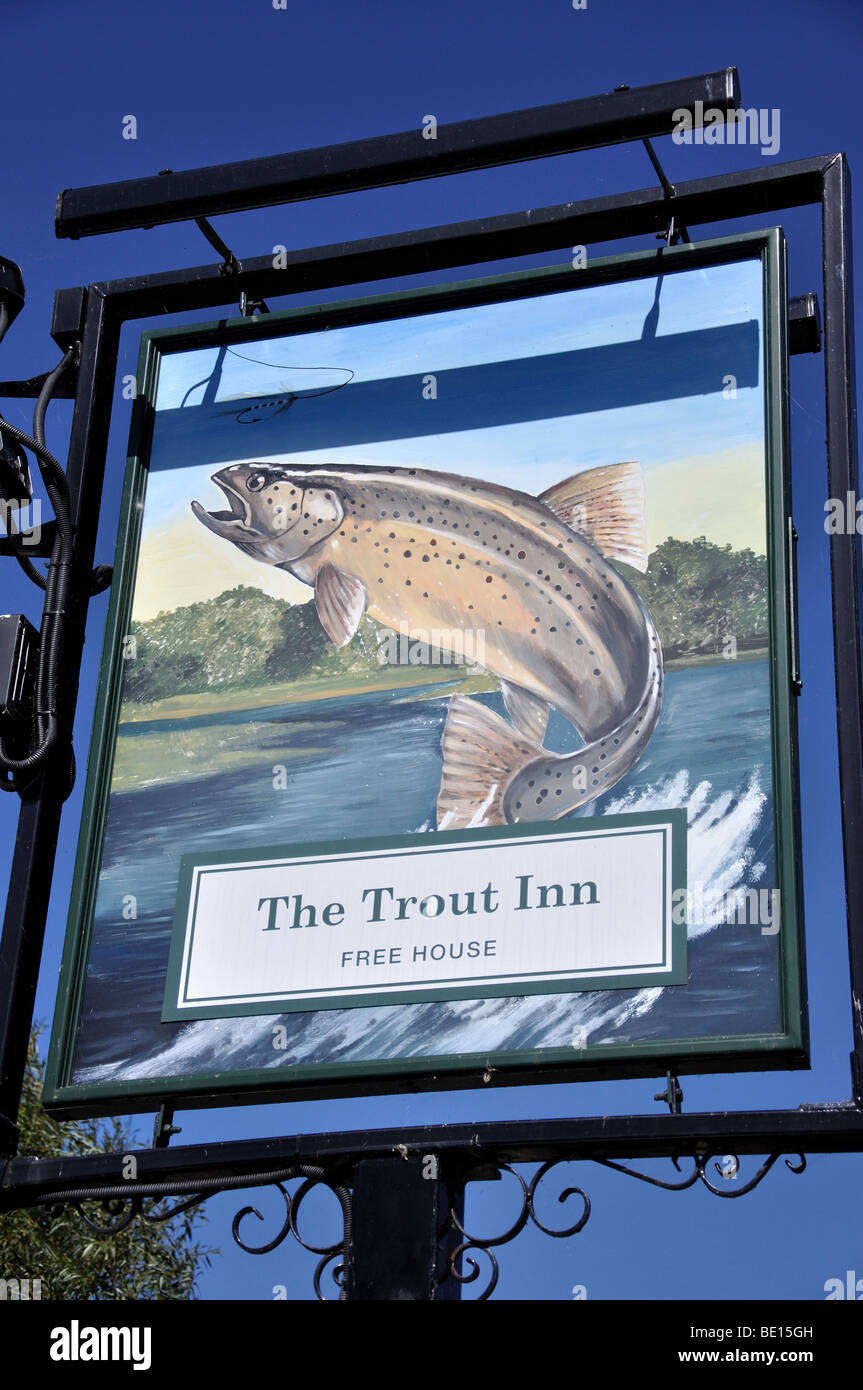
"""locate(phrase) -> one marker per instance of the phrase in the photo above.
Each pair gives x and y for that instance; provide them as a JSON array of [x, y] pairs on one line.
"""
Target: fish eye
[[256, 481]]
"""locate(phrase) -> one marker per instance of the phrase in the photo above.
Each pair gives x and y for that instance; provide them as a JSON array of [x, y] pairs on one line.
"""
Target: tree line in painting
[[699, 594]]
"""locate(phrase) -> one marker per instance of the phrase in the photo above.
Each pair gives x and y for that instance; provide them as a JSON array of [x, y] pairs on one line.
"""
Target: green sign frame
[[785, 1046]]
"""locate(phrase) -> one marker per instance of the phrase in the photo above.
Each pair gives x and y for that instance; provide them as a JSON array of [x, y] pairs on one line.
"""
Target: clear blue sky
[[217, 81]]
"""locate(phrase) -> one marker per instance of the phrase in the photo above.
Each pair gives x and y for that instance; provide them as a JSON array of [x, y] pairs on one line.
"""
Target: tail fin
[[481, 752]]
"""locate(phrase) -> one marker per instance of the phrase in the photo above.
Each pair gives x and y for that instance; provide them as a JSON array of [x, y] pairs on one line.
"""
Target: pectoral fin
[[528, 712], [606, 506], [341, 601]]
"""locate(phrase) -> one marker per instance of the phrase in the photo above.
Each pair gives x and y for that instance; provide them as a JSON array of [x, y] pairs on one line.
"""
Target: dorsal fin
[[606, 506]]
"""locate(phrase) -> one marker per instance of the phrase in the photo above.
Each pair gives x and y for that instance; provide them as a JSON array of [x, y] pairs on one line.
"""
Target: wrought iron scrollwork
[[699, 1174], [122, 1206], [461, 1251], [458, 1245], [312, 1178], [465, 1249]]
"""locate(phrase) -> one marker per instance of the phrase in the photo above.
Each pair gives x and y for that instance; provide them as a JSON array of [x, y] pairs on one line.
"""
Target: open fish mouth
[[231, 523]]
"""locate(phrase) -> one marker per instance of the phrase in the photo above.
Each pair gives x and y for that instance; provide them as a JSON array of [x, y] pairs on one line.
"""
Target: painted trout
[[560, 626]]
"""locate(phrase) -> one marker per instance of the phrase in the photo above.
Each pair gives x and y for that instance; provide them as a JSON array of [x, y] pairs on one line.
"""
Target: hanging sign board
[[447, 715]]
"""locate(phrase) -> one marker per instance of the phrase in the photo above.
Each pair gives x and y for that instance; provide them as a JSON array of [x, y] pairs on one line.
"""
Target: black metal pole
[[618, 216], [847, 580], [39, 818], [425, 152], [399, 1210]]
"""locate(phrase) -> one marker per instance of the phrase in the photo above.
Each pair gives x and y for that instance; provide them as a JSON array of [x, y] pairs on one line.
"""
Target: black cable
[[102, 574], [57, 589], [47, 392], [23, 560], [16, 774], [4, 321]]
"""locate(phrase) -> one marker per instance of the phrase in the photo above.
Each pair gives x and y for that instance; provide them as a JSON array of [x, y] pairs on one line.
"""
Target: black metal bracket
[[804, 324], [40, 550], [31, 388], [672, 1095], [231, 266], [249, 306], [672, 234], [12, 293], [164, 1128]]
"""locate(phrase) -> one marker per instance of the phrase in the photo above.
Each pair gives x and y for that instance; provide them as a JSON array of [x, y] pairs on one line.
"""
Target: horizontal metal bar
[[422, 153], [30, 388], [752, 192], [830, 1129], [40, 550]]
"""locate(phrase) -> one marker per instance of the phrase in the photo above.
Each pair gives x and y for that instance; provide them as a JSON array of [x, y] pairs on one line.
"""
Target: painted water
[[372, 762]]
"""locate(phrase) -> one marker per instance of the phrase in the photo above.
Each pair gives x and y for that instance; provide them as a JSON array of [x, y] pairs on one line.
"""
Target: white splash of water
[[720, 855]]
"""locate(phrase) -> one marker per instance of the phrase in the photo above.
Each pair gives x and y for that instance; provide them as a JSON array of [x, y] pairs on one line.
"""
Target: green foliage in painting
[[698, 593], [701, 594]]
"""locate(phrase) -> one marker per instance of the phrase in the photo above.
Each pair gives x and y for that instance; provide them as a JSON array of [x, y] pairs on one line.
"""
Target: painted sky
[[702, 454]]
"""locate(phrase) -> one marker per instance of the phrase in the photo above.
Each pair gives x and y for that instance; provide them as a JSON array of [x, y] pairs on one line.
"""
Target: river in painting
[[207, 783]]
